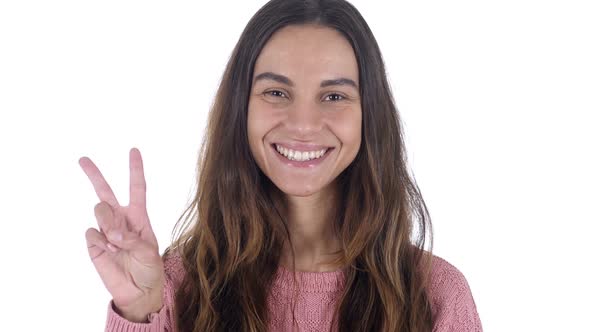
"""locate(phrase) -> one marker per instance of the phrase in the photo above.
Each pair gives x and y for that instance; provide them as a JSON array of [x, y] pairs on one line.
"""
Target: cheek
[[260, 123], [348, 128], [262, 118], [256, 125], [254, 140], [253, 129], [255, 117]]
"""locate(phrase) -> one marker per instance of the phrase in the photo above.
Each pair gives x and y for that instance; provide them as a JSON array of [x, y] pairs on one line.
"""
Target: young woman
[[305, 217]]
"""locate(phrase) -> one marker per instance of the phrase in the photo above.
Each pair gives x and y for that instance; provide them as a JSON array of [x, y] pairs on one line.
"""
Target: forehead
[[308, 50]]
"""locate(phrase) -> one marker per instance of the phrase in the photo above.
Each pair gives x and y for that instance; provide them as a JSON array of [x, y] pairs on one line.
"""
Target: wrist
[[140, 311]]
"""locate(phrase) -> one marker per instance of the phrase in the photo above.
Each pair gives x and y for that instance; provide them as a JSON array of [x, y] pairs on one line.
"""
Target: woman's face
[[304, 113]]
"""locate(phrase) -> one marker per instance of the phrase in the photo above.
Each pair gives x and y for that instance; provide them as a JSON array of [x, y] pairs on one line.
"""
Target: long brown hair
[[231, 234]]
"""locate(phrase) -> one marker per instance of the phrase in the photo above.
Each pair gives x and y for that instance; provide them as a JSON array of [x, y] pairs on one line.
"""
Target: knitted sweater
[[452, 304]]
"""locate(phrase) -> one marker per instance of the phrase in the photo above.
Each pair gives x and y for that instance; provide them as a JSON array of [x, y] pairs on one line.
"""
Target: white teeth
[[300, 155]]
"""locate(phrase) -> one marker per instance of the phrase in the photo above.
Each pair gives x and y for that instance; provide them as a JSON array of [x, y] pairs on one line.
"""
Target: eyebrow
[[285, 80]]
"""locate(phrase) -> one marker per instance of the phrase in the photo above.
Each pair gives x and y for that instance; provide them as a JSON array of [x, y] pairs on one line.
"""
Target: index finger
[[101, 187]]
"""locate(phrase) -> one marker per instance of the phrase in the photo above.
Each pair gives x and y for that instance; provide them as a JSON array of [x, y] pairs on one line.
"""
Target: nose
[[304, 119]]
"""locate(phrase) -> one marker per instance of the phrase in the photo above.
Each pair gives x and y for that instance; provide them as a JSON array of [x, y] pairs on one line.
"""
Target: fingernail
[[116, 235]]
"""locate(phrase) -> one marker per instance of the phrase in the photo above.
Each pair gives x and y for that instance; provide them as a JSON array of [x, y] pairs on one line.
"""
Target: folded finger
[[97, 243], [131, 241], [105, 217]]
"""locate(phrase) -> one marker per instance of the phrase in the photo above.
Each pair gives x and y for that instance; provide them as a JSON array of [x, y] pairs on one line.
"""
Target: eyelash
[[331, 94]]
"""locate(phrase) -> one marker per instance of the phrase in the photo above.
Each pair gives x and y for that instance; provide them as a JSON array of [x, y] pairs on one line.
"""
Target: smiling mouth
[[297, 155]]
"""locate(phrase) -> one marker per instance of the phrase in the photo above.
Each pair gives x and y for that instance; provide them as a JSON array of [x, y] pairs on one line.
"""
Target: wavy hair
[[231, 234]]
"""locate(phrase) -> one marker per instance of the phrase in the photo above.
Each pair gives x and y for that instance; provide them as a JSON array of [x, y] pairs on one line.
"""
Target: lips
[[296, 146], [299, 163]]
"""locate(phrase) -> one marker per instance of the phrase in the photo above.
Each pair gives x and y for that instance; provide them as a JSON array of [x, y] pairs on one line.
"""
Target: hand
[[130, 266]]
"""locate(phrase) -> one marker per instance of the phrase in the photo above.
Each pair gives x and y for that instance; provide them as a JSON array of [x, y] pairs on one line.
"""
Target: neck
[[310, 221]]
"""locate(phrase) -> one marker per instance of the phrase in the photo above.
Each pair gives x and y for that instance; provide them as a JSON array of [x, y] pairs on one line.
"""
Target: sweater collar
[[310, 282]]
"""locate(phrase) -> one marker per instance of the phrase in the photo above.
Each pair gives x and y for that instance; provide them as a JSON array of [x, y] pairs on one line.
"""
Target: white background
[[494, 97]]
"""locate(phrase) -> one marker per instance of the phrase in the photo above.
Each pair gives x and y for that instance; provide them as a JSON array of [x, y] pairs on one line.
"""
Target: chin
[[297, 189]]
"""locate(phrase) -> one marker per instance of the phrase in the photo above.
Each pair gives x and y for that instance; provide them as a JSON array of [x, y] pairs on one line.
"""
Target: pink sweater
[[452, 304]]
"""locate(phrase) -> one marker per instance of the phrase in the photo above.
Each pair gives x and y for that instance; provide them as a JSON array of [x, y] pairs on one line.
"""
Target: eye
[[275, 93], [335, 97]]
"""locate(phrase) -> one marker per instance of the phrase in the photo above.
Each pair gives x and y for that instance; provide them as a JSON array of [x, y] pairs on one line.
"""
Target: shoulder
[[453, 306], [173, 268]]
